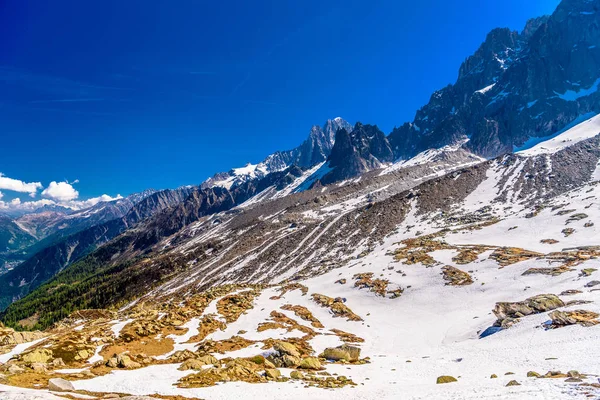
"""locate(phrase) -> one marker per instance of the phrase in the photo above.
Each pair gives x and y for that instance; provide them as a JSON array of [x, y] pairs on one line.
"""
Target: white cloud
[[19, 186], [57, 193], [79, 205], [17, 205], [60, 191]]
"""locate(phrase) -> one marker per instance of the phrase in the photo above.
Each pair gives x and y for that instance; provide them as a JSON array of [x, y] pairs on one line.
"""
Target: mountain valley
[[456, 257]]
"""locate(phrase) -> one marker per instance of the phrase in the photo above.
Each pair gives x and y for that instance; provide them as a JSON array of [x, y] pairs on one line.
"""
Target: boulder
[[112, 362], [15, 369], [60, 385], [191, 364], [344, 352], [445, 379], [208, 359], [296, 375], [455, 276], [310, 363], [38, 367], [37, 356], [533, 305], [513, 383], [290, 361], [335, 354], [581, 317], [10, 337], [286, 348], [124, 361], [182, 355], [272, 373], [58, 362], [574, 374]]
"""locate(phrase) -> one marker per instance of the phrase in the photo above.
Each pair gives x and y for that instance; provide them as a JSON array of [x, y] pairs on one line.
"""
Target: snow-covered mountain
[[455, 258]]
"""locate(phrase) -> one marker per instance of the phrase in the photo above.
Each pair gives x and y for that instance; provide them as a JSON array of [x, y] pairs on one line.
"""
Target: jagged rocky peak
[[317, 147], [495, 54], [533, 25], [314, 150], [332, 126], [363, 149]]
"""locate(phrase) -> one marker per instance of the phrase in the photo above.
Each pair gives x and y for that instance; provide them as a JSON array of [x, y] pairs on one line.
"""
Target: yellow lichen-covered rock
[[310, 363], [286, 348], [344, 352], [37, 356], [296, 375], [234, 370], [191, 364], [445, 379], [272, 373], [581, 317], [290, 361]]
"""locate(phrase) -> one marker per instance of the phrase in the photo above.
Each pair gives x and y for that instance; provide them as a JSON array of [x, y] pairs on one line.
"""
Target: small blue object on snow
[[490, 331], [547, 325]]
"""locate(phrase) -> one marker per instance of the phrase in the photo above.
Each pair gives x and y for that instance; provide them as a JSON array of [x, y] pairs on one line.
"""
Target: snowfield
[[432, 329], [584, 130]]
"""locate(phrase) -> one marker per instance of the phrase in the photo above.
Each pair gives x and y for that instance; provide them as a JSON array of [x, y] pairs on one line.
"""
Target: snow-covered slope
[[453, 156], [584, 130]]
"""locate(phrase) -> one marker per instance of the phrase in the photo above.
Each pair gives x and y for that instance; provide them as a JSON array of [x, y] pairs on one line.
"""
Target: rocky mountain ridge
[[314, 150]]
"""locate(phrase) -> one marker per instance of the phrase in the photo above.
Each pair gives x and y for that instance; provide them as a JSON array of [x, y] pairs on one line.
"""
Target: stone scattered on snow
[[581, 317], [310, 363], [60, 385], [507, 312], [456, 277], [286, 348], [341, 353], [446, 379]]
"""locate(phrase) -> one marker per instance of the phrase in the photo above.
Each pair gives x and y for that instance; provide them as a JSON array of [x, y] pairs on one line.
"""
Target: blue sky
[[128, 95]]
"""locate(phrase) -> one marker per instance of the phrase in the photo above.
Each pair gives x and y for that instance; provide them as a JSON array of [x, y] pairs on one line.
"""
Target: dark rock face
[[516, 86], [363, 149]]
